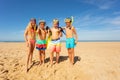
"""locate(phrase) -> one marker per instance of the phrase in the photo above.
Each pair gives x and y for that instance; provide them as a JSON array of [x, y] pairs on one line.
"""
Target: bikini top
[[33, 29]]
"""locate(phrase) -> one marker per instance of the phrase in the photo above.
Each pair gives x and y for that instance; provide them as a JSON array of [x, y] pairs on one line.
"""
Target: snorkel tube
[[72, 18], [62, 30], [47, 28]]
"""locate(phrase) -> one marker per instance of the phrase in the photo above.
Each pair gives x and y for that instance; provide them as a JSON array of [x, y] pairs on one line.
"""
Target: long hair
[[30, 26]]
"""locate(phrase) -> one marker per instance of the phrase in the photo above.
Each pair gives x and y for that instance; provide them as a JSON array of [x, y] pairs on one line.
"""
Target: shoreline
[[65, 41]]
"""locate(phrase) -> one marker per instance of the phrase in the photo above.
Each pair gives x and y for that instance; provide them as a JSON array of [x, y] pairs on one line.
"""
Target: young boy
[[30, 39], [55, 45], [70, 41], [41, 41]]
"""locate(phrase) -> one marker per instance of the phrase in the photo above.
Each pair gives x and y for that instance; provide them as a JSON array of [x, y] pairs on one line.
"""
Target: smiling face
[[33, 22], [42, 25], [55, 24], [68, 24]]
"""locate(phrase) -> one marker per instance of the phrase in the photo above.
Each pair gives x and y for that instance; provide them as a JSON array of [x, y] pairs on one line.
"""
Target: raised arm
[[48, 32], [60, 34], [62, 30], [38, 31]]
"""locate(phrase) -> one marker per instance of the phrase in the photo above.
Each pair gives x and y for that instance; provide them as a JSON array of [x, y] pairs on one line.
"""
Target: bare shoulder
[[38, 29], [73, 29], [51, 28]]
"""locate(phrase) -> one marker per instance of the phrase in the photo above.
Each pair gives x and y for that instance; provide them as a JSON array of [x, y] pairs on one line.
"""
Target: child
[[30, 39], [41, 41], [55, 45], [70, 41]]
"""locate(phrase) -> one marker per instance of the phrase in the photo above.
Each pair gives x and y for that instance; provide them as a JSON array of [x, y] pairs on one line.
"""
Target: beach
[[93, 61]]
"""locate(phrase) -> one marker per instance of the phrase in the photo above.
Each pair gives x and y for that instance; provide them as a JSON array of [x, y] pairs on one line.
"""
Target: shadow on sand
[[61, 59], [77, 58]]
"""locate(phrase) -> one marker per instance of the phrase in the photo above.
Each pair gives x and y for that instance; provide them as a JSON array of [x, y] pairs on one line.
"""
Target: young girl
[[30, 39]]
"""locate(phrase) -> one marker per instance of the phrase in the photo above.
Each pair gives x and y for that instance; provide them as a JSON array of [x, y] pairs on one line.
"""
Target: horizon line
[[65, 40]]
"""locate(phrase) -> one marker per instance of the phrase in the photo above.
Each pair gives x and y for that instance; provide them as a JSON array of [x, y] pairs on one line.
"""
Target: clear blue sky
[[93, 19]]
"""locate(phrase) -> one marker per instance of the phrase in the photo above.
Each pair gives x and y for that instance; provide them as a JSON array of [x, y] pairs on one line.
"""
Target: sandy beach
[[93, 61]]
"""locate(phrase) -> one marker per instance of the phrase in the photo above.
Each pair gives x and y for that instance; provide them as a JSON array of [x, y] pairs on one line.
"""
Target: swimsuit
[[32, 41], [70, 43], [55, 45], [41, 44]]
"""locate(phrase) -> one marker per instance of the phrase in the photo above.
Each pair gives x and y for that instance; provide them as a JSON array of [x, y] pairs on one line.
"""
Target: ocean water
[[78, 41]]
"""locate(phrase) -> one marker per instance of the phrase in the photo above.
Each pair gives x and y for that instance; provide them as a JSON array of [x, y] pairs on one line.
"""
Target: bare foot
[[51, 64], [40, 63], [57, 62], [43, 63]]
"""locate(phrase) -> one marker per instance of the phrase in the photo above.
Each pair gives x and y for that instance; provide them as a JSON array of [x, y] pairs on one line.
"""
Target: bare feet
[[40, 63], [51, 64], [57, 62]]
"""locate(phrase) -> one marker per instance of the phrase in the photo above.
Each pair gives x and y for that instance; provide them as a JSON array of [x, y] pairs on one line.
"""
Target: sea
[[78, 41]]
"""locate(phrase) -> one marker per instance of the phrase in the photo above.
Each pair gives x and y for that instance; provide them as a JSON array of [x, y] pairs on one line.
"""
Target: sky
[[93, 19]]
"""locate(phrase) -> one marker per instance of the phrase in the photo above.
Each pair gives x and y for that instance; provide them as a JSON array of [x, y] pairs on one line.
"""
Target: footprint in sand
[[1, 69], [5, 71], [2, 64], [55, 71], [4, 78], [16, 64]]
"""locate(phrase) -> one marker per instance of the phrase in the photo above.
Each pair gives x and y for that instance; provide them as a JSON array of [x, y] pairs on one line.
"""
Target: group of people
[[43, 38]]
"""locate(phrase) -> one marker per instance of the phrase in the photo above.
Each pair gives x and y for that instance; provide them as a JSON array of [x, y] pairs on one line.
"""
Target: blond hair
[[30, 26]]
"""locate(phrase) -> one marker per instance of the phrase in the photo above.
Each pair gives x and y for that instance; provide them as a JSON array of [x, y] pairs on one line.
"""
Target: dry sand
[[97, 61]]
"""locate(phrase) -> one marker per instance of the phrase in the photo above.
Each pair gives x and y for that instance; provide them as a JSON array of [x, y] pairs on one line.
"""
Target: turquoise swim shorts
[[70, 43]]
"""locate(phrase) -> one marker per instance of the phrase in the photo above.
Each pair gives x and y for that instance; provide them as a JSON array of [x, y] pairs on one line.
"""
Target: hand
[[47, 28], [60, 29], [75, 41]]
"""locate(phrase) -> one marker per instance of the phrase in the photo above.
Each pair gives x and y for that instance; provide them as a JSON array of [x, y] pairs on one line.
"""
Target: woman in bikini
[[29, 35]]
